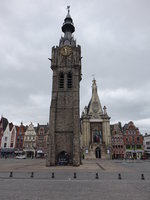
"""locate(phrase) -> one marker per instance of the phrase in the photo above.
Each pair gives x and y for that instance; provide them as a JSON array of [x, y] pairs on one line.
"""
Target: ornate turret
[[68, 28], [68, 25]]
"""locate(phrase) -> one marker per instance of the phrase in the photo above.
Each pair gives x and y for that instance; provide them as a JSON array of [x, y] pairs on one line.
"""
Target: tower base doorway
[[63, 158]]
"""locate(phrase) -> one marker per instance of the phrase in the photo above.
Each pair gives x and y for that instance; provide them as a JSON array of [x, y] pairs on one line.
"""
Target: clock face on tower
[[66, 50]]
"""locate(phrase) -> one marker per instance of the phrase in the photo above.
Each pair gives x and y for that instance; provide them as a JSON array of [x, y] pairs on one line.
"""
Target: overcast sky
[[115, 41]]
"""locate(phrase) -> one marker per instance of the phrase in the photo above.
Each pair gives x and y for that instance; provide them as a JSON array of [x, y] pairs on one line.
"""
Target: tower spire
[[94, 86], [94, 106], [68, 28], [68, 8], [68, 25]]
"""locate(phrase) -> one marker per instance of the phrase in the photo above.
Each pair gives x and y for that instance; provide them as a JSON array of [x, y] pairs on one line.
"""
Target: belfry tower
[[64, 122]]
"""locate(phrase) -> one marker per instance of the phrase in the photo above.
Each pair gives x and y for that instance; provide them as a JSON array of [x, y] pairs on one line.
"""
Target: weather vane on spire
[[68, 8]]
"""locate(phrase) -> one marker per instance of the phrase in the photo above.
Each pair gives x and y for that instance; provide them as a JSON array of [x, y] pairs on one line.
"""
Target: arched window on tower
[[69, 80], [61, 80]]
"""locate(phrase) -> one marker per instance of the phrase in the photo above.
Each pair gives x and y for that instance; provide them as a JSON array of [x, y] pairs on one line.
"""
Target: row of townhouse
[[128, 142], [29, 140]]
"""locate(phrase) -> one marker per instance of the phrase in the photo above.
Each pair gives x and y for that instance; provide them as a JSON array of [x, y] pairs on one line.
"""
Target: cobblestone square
[[65, 186]]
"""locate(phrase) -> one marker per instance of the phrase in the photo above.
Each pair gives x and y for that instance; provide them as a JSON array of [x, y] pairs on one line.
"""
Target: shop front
[[7, 152]]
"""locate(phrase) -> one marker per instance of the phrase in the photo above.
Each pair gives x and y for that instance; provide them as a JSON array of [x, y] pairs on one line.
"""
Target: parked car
[[21, 157]]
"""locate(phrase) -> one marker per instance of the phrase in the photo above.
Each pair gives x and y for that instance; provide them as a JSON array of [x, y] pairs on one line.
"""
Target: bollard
[[75, 175], [142, 177], [97, 177], [11, 174], [53, 175], [32, 175], [119, 176]]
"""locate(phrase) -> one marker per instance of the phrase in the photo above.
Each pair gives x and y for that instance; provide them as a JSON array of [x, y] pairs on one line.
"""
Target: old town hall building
[[64, 123]]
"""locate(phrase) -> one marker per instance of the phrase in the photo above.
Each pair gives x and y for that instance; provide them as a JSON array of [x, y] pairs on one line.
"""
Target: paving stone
[[85, 186]]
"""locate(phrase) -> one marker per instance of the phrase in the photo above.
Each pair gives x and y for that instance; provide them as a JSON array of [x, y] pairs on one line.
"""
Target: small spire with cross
[[68, 8], [94, 81]]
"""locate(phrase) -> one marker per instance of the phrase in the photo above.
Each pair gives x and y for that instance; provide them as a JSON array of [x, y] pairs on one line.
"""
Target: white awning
[[39, 151], [18, 151]]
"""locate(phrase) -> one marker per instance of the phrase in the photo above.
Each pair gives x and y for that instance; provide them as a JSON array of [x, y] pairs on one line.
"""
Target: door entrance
[[98, 152], [63, 158]]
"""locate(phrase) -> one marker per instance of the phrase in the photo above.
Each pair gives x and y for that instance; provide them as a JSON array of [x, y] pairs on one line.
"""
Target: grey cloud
[[114, 37]]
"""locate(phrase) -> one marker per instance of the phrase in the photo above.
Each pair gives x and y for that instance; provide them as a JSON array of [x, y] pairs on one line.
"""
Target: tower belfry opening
[[64, 121]]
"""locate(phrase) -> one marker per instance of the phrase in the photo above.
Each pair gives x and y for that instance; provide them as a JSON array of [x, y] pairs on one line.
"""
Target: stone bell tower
[[64, 121]]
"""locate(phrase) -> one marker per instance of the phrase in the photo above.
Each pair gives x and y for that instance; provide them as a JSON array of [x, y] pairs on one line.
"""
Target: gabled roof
[[21, 127], [129, 126], [116, 129], [4, 123], [42, 126], [10, 126]]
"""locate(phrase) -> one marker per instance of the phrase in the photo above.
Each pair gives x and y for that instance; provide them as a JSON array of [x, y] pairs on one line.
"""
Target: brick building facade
[[41, 140], [20, 132], [133, 141], [117, 142]]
